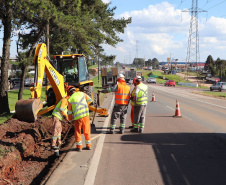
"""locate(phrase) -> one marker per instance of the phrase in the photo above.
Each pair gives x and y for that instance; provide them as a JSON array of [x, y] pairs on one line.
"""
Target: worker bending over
[[140, 104], [122, 96], [58, 114], [79, 110]]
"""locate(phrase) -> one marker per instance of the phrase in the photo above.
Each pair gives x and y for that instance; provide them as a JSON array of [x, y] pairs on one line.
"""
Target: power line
[[217, 4]]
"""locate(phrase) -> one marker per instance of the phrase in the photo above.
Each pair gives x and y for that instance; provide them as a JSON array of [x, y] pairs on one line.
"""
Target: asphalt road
[[172, 151]]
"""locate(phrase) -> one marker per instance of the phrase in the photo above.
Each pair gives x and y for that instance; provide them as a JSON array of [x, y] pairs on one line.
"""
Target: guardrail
[[188, 84]]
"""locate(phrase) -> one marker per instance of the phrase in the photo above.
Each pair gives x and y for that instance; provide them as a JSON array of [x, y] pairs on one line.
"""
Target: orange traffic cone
[[153, 96], [177, 112]]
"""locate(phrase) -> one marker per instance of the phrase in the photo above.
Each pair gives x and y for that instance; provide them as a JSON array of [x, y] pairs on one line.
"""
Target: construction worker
[[72, 69], [78, 108], [58, 114], [122, 96], [132, 103], [140, 103]]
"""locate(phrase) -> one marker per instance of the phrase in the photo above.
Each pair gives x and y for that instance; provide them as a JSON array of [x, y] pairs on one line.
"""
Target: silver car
[[218, 86], [151, 80], [28, 82]]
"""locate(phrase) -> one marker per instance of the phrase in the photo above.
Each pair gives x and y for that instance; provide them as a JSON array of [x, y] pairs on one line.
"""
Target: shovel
[[93, 127]]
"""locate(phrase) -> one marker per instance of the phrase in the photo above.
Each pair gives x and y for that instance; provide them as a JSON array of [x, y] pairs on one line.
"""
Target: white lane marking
[[187, 118], [181, 95], [91, 174], [182, 115], [181, 171], [170, 107]]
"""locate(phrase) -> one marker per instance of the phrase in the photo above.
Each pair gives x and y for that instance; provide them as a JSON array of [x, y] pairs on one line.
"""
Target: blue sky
[[160, 29]]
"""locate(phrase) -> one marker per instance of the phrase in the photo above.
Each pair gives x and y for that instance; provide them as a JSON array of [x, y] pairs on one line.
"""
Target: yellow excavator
[[63, 71]]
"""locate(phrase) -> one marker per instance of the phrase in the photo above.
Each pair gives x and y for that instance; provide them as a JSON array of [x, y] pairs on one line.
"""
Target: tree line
[[216, 67], [69, 25]]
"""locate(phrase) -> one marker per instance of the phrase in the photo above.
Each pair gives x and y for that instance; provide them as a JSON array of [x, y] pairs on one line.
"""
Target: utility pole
[[136, 48], [193, 56]]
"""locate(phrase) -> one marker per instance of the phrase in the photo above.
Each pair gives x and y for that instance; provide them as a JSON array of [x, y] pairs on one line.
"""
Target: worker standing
[[132, 95], [58, 114], [122, 96], [140, 104], [78, 108]]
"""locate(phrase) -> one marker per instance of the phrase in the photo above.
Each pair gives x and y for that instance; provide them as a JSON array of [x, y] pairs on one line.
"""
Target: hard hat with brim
[[121, 76], [70, 89]]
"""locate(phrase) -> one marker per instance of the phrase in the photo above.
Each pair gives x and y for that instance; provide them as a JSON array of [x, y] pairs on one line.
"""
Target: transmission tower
[[193, 56]]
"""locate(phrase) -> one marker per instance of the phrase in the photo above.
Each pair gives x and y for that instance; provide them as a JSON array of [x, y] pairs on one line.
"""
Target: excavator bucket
[[26, 110]]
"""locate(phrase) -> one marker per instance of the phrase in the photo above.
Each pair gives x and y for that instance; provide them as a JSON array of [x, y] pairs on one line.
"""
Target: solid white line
[[181, 171], [170, 107], [91, 174]]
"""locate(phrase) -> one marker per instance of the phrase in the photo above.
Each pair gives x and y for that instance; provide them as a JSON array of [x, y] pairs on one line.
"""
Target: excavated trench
[[25, 151]]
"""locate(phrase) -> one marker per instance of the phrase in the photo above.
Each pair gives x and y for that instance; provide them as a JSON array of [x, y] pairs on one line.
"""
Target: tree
[[138, 62], [107, 59], [209, 65], [74, 26], [155, 63], [6, 16]]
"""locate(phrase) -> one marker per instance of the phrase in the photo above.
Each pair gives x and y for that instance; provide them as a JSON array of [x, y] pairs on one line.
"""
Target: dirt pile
[[25, 151]]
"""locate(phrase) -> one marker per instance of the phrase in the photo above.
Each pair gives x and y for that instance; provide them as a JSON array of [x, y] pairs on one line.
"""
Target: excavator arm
[[28, 110]]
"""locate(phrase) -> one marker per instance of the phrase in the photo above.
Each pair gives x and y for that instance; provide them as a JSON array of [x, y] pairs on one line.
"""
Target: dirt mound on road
[[25, 151]]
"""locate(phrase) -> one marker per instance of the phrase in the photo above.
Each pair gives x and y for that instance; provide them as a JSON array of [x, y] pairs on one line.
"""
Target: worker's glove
[[99, 91], [65, 117]]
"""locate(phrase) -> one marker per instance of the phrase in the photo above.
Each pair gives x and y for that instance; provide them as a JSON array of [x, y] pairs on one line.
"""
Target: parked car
[[218, 86], [28, 82], [170, 83], [151, 80], [16, 81]]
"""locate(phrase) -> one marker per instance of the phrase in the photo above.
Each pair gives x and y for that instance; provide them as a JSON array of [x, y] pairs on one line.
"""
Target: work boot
[[130, 126], [112, 131], [78, 149], [121, 131], [88, 148], [134, 130], [55, 147], [141, 130]]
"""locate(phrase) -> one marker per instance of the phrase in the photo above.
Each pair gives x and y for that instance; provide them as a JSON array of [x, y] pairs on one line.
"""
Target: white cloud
[[106, 1], [160, 30]]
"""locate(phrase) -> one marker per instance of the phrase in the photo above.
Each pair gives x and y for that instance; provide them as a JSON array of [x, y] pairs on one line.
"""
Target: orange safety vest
[[123, 93]]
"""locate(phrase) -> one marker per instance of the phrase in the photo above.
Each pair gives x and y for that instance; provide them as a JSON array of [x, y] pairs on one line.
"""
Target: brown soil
[[25, 152]]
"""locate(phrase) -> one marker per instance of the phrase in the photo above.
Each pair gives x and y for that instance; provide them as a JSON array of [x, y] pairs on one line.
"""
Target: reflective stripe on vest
[[142, 98], [122, 95], [79, 106], [57, 110]]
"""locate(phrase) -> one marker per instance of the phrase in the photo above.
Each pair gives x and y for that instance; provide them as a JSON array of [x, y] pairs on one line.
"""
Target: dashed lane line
[[188, 97]]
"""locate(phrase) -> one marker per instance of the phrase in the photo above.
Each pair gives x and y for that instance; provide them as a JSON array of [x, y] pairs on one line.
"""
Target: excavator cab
[[74, 70], [73, 67]]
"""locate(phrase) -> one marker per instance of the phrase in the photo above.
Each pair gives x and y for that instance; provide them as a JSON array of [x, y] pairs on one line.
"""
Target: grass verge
[[220, 95], [13, 98]]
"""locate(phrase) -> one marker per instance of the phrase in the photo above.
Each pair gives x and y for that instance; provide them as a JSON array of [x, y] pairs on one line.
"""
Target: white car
[[151, 80], [218, 86]]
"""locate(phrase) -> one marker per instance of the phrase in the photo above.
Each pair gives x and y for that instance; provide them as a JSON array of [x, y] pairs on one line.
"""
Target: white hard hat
[[121, 76], [138, 77]]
